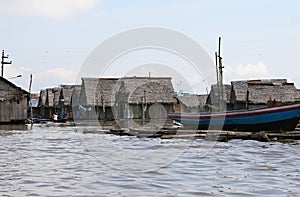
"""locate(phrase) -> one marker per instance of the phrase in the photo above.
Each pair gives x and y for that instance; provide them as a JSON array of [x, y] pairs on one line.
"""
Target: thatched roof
[[66, 93], [105, 95], [56, 92], [42, 98], [261, 91], [137, 90], [192, 100], [97, 91], [238, 91], [52, 97], [88, 91], [214, 92], [75, 98], [49, 97], [132, 90], [297, 95]]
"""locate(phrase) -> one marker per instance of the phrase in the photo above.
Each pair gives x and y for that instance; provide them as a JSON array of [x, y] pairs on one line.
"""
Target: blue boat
[[282, 118]]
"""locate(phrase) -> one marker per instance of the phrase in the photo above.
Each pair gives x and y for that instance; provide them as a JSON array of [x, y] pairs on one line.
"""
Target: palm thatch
[[135, 90], [214, 94], [105, 94], [88, 91], [192, 100], [49, 97], [262, 91], [66, 94], [139, 90], [75, 98], [42, 98], [56, 94], [52, 97]]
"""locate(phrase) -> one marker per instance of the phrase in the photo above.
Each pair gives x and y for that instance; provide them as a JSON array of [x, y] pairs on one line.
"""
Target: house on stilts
[[13, 103]]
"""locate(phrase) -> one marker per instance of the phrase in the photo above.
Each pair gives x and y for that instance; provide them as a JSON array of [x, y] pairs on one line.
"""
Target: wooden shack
[[123, 98], [42, 104], [105, 98], [144, 97], [51, 102], [190, 103], [65, 98], [96, 99], [87, 98], [34, 103], [262, 93], [75, 102], [13, 103], [213, 97]]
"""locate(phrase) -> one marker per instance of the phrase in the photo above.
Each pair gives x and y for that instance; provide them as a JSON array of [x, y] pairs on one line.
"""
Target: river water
[[70, 161]]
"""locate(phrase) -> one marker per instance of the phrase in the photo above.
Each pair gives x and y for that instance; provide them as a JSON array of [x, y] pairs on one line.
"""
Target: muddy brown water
[[66, 161]]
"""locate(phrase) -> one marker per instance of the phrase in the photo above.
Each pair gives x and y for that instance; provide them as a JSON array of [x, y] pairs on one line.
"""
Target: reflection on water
[[10, 127], [58, 161], [6, 130]]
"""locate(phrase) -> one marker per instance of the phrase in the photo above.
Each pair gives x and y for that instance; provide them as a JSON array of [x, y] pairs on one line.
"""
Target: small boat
[[282, 118]]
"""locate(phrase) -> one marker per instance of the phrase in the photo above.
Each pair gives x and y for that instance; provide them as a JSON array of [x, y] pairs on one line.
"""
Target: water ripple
[[62, 162]]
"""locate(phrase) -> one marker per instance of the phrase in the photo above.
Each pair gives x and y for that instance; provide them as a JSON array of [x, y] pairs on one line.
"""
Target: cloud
[[253, 70], [247, 71], [12, 71], [57, 9], [56, 76]]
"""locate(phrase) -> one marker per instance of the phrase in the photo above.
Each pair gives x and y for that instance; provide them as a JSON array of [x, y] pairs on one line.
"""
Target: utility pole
[[3, 57]]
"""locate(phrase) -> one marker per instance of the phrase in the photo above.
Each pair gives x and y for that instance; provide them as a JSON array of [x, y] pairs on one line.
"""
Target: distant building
[[42, 104], [49, 102], [34, 103], [64, 107], [106, 98], [87, 99], [191, 103], [262, 93], [213, 97], [144, 97], [13, 103], [123, 98], [75, 102]]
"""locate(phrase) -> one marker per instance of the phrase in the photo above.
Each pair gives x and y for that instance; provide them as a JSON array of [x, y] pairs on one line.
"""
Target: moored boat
[[282, 118]]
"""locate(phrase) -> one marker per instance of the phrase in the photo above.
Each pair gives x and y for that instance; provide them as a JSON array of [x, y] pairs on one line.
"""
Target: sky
[[51, 39]]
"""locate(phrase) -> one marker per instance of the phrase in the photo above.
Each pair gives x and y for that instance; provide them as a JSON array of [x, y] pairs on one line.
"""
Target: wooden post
[[218, 82], [221, 96], [30, 102]]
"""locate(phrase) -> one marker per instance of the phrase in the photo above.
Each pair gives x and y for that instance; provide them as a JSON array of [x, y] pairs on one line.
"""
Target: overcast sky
[[52, 38]]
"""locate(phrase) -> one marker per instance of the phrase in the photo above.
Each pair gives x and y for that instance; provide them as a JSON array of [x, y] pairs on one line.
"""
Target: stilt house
[[13, 103], [262, 93]]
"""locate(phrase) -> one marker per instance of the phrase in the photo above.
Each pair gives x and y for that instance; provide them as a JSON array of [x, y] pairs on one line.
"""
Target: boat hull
[[284, 118]]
